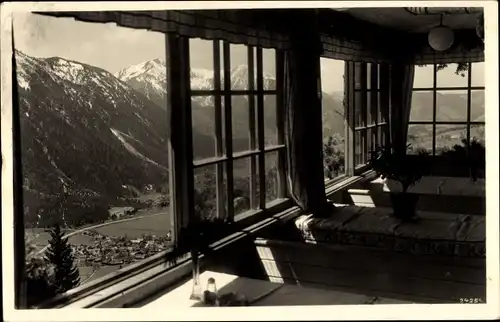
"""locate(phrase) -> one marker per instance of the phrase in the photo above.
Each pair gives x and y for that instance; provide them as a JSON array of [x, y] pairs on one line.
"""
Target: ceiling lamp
[[441, 37]]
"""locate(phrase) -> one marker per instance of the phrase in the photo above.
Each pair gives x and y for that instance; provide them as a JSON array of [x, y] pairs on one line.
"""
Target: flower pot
[[404, 205]]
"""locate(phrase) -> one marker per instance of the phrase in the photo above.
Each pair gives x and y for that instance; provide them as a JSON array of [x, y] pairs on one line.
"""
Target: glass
[[447, 136], [424, 76], [477, 110], [369, 74], [369, 141], [108, 186], [359, 108], [358, 76], [202, 66], [239, 66], [270, 120], [269, 68], [451, 106], [333, 156], [422, 106], [272, 183], [477, 132], [477, 74], [240, 111], [420, 137], [382, 135], [206, 189], [203, 125], [447, 77], [359, 147], [241, 181], [380, 118]]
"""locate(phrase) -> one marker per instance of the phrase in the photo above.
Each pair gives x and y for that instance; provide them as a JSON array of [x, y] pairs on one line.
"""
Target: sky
[[113, 48]]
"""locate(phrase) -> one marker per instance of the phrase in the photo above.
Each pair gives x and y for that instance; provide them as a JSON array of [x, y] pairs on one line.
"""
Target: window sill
[[347, 181], [124, 287], [151, 272]]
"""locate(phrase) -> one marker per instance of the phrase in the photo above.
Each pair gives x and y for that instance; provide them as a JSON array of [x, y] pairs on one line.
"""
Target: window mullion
[[364, 107], [349, 148], [260, 128], [280, 123], [251, 125], [219, 172], [434, 108], [469, 93], [229, 130]]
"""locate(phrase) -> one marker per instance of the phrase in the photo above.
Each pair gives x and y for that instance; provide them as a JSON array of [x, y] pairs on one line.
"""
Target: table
[[265, 293]]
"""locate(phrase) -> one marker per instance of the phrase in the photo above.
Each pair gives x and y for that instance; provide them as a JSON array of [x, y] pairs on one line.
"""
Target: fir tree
[[60, 255]]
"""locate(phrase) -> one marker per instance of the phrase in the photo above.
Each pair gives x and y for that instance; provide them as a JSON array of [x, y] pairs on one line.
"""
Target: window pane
[[448, 77], [451, 106], [477, 106], [333, 156], [270, 125], [269, 66], [205, 191], [421, 106], [382, 135], [369, 141], [242, 193], [424, 76], [94, 153], [449, 135], [204, 127], [420, 138], [380, 117], [477, 74], [239, 70], [272, 183], [369, 108], [332, 80], [369, 74], [358, 75], [240, 123], [359, 147], [202, 66], [359, 110], [477, 132]]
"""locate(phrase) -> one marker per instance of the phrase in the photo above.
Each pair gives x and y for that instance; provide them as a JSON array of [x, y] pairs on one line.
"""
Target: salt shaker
[[210, 294]]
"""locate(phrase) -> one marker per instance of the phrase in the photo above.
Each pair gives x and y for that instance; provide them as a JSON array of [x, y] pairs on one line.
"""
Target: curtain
[[253, 27], [402, 76], [303, 124]]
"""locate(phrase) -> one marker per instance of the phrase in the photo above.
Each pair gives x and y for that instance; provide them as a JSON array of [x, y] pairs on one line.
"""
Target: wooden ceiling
[[405, 19]]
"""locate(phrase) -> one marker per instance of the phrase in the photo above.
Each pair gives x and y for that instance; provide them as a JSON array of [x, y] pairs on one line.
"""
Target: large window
[[371, 108], [94, 142], [447, 107], [237, 132], [334, 117]]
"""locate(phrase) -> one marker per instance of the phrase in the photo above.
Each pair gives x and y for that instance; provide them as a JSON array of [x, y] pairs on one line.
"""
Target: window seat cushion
[[433, 233]]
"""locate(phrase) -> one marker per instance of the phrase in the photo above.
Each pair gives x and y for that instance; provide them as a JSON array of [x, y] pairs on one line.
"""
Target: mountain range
[[88, 133]]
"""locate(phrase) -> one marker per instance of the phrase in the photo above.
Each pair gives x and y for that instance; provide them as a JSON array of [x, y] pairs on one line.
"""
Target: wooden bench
[[372, 272], [433, 234], [441, 194]]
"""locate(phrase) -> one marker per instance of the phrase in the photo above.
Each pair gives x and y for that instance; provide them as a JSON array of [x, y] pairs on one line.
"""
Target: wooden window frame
[[258, 150], [379, 106], [330, 182], [435, 89]]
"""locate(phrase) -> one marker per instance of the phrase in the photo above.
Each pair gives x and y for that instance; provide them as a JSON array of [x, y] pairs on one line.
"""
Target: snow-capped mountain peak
[[156, 68]]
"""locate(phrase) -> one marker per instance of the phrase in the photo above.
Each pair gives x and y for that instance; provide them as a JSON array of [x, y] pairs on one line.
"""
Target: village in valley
[[112, 250]]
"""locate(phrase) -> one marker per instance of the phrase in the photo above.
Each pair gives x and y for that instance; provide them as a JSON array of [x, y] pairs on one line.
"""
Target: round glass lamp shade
[[441, 38]]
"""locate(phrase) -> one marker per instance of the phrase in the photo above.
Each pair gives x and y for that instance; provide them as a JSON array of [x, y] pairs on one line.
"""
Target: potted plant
[[398, 167], [470, 156]]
